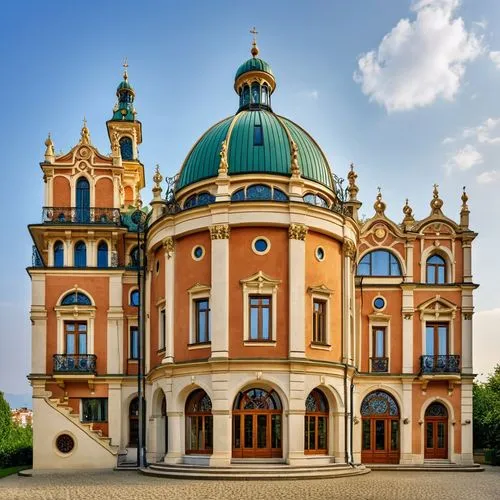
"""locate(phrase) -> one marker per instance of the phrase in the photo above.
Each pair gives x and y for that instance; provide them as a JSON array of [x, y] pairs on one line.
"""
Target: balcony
[[75, 364], [441, 364], [74, 215], [379, 365]]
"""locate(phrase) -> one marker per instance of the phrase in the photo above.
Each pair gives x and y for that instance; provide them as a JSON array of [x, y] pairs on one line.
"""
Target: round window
[[379, 303], [261, 245], [65, 443], [320, 253], [198, 252]]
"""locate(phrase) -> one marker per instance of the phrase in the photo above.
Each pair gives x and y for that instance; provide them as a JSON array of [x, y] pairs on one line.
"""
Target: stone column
[[293, 422], [114, 335], [349, 251], [409, 261], [467, 259], [466, 403], [115, 415], [297, 290], [407, 344], [175, 448], [466, 342], [169, 247], [357, 425], [406, 428], [38, 318], [219, 293], [222, 445], [91, 250], [68, 254]]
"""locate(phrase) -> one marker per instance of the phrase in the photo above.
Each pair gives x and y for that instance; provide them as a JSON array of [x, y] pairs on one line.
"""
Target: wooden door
[[436, 438]]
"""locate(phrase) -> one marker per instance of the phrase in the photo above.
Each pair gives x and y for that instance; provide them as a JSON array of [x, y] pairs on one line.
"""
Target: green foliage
[[16, 442], [487, 412]]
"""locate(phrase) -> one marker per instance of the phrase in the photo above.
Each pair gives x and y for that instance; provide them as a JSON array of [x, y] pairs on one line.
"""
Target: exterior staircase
[[62, 406], [253, 471]]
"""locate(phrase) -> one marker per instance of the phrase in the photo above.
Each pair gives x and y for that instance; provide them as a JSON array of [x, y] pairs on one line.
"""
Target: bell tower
[[125, 134]]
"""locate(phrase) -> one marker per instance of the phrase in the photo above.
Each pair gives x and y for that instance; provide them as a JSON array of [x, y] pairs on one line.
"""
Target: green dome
[[253, 64], [244, 157], [124, 85]]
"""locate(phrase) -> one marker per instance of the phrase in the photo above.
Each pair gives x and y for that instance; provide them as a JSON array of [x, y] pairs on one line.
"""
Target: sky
[[407, 90]]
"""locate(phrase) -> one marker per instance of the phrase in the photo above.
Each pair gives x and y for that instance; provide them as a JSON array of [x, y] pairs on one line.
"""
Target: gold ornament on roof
[[352, 188], [223, 166], [125, 66], [464, 199], [85, 135], [255, 49], [408, 211], [436, 202], [157, 177], [379, 205], [295, 159], [49, 151]]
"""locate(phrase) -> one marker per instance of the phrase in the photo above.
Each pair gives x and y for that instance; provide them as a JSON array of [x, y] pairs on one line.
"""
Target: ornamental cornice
[[297, 231], [220, 231]]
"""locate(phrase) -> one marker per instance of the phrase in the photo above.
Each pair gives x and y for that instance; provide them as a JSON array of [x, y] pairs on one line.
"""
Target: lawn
[[11, 470]]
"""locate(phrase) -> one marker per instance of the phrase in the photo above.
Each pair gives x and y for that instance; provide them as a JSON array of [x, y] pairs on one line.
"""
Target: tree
[[5, 420]]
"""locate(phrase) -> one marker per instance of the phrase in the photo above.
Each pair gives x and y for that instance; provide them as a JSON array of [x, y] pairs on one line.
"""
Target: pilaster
[[406, 424], [466, 402], [349, 253], [115, 414], [407, 345], [115, 326], [169, 252], [175, 431]]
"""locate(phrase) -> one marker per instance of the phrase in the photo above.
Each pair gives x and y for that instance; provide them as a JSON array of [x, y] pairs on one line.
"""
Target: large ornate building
[[271, 322]]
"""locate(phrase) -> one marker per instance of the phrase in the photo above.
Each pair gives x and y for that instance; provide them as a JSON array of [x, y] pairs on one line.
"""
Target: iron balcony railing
[[75, 363], [442, 363], [74, 215], [380, 365]]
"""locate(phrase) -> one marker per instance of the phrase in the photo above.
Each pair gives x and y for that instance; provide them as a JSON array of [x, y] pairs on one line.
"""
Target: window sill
[[322, 347], [257, 343], [133, 361], [200, 345]]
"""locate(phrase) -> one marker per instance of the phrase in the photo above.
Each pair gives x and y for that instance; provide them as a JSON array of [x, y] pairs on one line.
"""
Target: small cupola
[[124, 109], [254, 81]]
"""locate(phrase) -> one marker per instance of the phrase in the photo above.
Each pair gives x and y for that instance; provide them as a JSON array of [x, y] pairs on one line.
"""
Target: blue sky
[[422, 108]]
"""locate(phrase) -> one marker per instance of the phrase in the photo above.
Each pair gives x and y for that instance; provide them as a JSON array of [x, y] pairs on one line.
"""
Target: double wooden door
[[436, 437], [257, 435], [380, 440]]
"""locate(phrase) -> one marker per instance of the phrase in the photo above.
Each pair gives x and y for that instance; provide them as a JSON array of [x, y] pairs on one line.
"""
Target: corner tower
[[125, 134]]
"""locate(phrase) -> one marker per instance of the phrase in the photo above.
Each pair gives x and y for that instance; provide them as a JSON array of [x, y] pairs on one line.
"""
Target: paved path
[[376, 486]]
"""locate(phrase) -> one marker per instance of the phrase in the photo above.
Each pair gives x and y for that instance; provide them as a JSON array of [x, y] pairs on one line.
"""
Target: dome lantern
[[124, 108]]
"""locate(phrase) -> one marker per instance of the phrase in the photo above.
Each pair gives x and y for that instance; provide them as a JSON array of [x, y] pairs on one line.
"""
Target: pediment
[[438, 307], [260, 280]]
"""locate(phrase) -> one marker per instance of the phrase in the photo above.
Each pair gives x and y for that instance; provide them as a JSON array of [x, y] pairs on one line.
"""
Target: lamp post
[[139, 218]]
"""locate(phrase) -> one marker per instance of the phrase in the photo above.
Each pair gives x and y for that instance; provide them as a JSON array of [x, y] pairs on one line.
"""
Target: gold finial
[[353, 188], [48, 142], [223, 165], [157, 177], [125, 66], [465, 199], [255, 49], [408, 211], [436, 202], [49, 148], [379, 204], [85, 139]]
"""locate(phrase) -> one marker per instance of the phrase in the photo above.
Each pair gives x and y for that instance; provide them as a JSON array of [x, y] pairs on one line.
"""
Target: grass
[[12, 470]]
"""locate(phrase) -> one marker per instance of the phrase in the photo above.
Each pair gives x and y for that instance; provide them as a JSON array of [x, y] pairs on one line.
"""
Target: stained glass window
[[379, 403], [76, 298], [199, 199], [259, 192], [257, 399], [436, 410], [199, 423], [279, 195], [315, 199]]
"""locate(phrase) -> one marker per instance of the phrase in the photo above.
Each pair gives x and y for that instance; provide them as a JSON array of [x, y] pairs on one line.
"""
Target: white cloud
[[486, 341], [483, 132], [448, 140], [312, 94], [464, 159], [419, 61], [495, 57], [488, 177], [482, 24]]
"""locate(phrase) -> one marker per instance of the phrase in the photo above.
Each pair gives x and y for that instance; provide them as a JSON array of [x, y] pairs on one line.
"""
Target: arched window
[[316, 423], [246, 95], [126, 148], [82, 212], [199, 423], [436, 270], [134, 260], [238, 195], [279, 195], [315, 199], [265, 93], [259, 192], [134, 298], [379, 263], [255, 93], [76, 298], [436, 431], [58, 254], [199, 199], [80, 254], [102, 254]]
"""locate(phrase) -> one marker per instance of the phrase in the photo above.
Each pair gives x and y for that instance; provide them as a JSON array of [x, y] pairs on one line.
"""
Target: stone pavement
[[376, 485]]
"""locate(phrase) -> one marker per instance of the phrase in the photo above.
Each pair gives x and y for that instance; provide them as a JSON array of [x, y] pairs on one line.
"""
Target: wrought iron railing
[[380, 365], [75, 215], [74, 363], [36, 258], [443, 363]]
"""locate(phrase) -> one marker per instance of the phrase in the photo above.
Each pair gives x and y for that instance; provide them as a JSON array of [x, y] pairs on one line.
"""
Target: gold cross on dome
[[254, 33], [125, 64]]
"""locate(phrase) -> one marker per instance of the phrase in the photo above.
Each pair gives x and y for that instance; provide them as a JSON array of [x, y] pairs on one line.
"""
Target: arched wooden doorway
[[257, 424], [133, 423], [199, 423], [316, 424], [380, 429], [436, 431]]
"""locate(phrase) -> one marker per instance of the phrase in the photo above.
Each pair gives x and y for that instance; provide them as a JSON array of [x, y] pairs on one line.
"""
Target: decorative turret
[[436, 202], [353, 204], [464, 211], [408, 220], [157, 203], [379, 204], [124, 108], [49, 150]]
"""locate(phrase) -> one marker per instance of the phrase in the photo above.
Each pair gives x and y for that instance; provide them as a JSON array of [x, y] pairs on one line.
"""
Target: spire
[[49, 150], [124, 108], [157, 178], [255, 50], [125, 66], [464, 211], [379, 204], [409, 220], [85, 135], [436, 202], [352, 188]]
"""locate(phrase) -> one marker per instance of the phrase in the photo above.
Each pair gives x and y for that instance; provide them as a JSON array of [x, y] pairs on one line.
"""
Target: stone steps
[[437, 466], [248, 472]]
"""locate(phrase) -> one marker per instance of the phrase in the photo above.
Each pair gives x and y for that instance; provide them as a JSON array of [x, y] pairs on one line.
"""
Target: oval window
[[261, 245], [379, 303], [320, 253], [198, 252]]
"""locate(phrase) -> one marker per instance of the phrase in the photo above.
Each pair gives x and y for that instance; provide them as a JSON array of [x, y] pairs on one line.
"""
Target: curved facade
[[270, 322]]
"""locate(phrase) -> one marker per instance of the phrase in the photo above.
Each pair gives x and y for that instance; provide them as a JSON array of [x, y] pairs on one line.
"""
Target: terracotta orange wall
[[327, 272], [157, 294], [104, 193], [61, 192], [189, 272], [243, 263], [98, 288], [393, 300], [131, 317], [435, 389], [128, 195]]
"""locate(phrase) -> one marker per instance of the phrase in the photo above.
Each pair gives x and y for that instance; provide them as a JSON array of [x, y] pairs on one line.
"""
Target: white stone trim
[[202, 254], [443, 311], [255, 251], [323, 293], [378, 319], [446, 254]]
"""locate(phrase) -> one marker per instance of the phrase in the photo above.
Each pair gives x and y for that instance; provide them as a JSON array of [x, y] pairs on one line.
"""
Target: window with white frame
[[320, 300], [199, 315]]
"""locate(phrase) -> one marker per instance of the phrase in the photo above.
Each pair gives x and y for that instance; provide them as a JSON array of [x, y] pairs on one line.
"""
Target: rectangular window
[[202, 318], [319, 321], [379, 342], [260, 317], [163, 329], [134, 342], [258, 136], [436, 339], [75, 337], [94, 410]]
